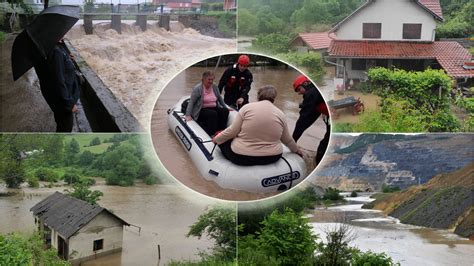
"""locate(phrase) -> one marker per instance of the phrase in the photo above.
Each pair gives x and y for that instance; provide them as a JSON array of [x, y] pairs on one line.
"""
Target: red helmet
[[299, 81], [244, 60]]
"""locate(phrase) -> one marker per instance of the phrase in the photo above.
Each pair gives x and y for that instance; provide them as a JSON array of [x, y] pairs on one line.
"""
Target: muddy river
[[177, 162], [407, 244], [162, 211], [134, 65]]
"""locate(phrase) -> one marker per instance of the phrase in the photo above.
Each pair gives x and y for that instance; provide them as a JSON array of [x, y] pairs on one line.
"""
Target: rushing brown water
[[407, 244], [178, 163], [162, 211]]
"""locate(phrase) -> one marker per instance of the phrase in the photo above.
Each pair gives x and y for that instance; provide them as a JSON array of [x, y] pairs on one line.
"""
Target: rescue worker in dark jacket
[[236, 82], [59, 85], [312, 107]]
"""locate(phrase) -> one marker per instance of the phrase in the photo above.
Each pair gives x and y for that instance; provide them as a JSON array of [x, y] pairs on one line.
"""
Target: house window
[[98, 244], [371, 30], [411, 31], [358, 64]]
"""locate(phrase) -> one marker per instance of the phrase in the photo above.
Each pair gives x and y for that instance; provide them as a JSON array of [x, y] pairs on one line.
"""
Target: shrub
[[46, 174], [150, 180], [389, 189], [33, 181], [272, 43], [94, 142], [312, 62], [287, 236], [71, 177], [354, 194], [370, 258], [332, 194], [443, 122]]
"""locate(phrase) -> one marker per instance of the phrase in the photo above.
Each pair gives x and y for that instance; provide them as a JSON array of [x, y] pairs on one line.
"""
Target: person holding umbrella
[[311, 108], [41, 46], [236, 82]]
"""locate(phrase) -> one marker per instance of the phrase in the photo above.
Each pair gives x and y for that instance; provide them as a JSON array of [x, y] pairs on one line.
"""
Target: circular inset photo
[[240, 127]]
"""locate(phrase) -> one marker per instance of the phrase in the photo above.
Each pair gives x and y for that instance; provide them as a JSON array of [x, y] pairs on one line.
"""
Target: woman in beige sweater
[[255, 136]]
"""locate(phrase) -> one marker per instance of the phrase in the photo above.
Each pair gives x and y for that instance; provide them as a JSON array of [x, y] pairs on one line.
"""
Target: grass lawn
[[85, 139]]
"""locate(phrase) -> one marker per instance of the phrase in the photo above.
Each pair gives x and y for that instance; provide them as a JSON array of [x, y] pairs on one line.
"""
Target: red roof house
[[398, 34], [317, 41]]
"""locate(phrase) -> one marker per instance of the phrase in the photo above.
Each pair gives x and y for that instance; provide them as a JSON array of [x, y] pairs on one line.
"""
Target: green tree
[[13, 174], [336, 250], [13, 148], [122, 165], [86, 158], [272, 43], [332, 194], [219, 223], [47, 174], [287, 236], [247, 22], [72, 149], [71, 177], [80, 190], [459, 22], [267, 22], [53, 149], [95, 141]]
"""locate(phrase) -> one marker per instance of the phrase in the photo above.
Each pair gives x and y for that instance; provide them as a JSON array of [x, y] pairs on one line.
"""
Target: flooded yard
[[161, 211]]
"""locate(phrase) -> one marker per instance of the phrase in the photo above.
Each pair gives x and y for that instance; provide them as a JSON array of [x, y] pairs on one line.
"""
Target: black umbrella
[[41, 35]]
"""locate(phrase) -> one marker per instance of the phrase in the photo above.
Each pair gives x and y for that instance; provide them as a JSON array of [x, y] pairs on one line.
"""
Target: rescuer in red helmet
[[312, 107], [236, 82]]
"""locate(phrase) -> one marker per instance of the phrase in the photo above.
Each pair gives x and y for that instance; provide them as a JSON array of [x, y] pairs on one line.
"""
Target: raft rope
[[291, 170], [207, 141]]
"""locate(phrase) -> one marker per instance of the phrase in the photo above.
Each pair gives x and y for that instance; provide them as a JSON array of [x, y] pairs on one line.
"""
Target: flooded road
[[173, 156], [407, 244], [162, 213]]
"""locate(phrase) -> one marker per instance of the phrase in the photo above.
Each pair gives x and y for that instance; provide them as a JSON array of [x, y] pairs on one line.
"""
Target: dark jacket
[[235, 84], [308, 114], [58, 81]]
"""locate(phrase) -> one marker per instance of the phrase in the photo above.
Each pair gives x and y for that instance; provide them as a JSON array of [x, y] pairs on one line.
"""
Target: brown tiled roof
[[450, 55], [433, 6], [316, 40]]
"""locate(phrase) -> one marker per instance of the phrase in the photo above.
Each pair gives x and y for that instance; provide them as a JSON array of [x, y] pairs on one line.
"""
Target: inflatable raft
[[212, 165]]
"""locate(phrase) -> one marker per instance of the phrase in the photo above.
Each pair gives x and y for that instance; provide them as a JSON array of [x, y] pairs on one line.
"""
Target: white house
[[395, 33], [78, 230]]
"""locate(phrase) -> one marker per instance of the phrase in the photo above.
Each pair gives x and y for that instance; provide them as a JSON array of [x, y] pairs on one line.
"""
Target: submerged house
[[78, 230], [399, 34]]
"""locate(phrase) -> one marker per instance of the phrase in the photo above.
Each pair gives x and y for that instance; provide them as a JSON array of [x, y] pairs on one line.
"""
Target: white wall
[[105, 227], [392, 14]]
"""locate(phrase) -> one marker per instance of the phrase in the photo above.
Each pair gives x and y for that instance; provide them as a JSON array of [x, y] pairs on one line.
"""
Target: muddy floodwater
[[176, 160], [407, 244], [134, 65], [161, 211]]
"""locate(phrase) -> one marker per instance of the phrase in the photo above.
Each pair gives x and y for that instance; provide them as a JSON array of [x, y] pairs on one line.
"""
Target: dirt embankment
[[445, 202]]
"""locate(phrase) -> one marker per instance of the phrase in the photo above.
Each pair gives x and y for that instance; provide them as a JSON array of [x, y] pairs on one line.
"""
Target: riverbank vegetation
[[18, 249], [277, 233], [48, 159]]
